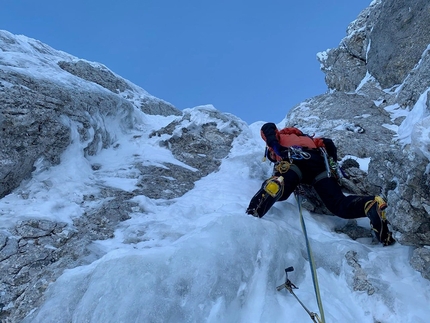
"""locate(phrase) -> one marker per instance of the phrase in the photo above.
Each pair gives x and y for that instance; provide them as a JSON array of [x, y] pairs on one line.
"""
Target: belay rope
[[282, 167], [311, 259], [290, 286]]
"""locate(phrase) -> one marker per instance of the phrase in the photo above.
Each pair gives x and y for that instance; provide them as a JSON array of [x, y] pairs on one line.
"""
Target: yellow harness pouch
[[274, 186]]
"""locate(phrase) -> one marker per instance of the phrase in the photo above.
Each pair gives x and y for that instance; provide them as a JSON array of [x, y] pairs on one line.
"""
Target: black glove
[[335, 168], [330, 148]]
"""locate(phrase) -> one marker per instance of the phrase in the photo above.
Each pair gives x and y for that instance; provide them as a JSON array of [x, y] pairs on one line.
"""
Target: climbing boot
[[263, 200], [375, 211]]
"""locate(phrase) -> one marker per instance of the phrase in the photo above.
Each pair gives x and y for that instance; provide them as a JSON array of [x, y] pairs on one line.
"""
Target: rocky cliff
[[379, 82], [50, 100]]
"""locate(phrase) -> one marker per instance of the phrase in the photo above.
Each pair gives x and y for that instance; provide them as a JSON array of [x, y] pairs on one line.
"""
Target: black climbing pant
[[347, 207]]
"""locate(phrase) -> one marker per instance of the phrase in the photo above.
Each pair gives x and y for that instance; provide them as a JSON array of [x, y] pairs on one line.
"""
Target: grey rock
[[100, 223], [360, 280], [386, 45], [420, 261], [154, 106], [339, 61], [29, 263], [355, 181], [199, 146], [36, 252], [418, 81], [38, 120], [386, 40], [35, 229], [346, 66], [166, 182], [39, 116], [353, 121], [98, 74], [398, 39], [354, 231], [104, 77], [404, 180], [9, 247]]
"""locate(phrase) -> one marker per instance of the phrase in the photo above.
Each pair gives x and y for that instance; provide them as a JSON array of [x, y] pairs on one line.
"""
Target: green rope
[[311, 260]]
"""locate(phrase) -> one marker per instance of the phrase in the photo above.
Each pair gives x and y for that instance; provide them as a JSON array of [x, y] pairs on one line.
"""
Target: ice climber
[[300, 158]]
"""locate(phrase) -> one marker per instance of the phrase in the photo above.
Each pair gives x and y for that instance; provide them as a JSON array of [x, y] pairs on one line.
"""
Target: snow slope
[[200, 258]]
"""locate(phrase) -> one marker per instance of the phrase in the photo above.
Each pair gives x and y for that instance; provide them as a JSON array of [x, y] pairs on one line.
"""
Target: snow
[[367, 78], [414, 129], [417, 118], [200, 258]]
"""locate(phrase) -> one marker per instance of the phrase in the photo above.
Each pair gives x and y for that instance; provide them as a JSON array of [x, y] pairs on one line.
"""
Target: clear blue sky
[[255, 59]]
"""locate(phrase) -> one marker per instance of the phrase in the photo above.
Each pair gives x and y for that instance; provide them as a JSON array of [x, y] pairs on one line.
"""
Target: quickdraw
[[296, 152], [327, 166], [288, 285]]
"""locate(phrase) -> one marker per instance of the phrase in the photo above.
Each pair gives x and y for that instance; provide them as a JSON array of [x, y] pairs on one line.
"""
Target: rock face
[[37, 113], [397, 40], [381, 68], [201, 146], [44, 111], [386, 40], [49, 99]]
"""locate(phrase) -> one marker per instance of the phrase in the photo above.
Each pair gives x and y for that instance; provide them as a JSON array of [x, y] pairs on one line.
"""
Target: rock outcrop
[[48, 100], [37, 112], [379, 73]]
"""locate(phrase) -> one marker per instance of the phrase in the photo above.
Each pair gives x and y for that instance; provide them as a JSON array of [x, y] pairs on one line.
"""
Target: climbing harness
[[332, 168], [288, 285], [284, 166]]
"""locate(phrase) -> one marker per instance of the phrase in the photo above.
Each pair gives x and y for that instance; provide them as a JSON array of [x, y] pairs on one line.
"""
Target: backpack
[[292, 136]]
